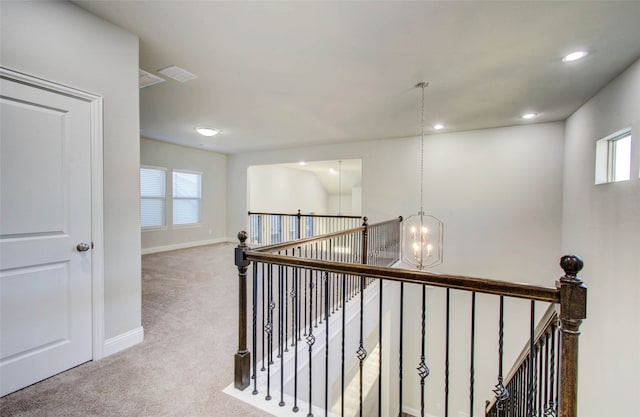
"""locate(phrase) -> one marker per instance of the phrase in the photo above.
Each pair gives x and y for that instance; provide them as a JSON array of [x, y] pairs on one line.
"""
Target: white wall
[[62, 43], [340, 204], [601, 223], [213, 214], [498, 192], [277, 189]]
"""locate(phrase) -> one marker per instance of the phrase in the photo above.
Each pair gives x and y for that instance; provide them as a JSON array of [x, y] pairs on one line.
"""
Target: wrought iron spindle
[[446, 355], [472, 361], [310, 341], [269, 330], [423, 369], [531, 375], [551, 410], [285, 297], [344, 313], [263, 317], [254, 328], [380, 352], [361, 352], [326, 349], [501, 392], [281, 329], [295, 348], [400, 348]]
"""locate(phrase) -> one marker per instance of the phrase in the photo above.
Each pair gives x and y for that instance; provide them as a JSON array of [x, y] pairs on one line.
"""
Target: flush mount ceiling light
[[528, 116], [574, 56], [207, 131], [177, 73]]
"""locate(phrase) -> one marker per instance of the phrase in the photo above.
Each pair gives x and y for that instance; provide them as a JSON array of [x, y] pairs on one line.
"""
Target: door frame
[[97, 219]]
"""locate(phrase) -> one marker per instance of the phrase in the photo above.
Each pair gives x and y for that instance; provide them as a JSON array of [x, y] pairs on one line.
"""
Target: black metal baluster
[[546, 373], [286, 307], [316, 285], [326, 349], [297, 320], [380, 353], [281, 329], [423, 369], [254, 322], [472, 371], [500, 390], [306, 276], [551, 409], [446, 355], [361, 352], [531, 376], [344, 313], [539, 346], [263, 317], [400, 348], [310, 341], [269, 330]]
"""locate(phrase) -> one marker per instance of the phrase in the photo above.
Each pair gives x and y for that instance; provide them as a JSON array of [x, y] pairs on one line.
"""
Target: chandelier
[[422, 233]]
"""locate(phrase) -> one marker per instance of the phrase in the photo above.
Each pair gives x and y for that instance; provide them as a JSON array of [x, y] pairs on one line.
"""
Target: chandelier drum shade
[[422, 233]]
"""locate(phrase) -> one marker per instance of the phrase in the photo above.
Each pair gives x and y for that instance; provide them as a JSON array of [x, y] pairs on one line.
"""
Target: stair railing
[[272, 228], [297, 286]]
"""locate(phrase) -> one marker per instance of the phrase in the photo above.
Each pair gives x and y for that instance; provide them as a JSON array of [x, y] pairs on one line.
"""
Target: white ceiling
[[282, 74]]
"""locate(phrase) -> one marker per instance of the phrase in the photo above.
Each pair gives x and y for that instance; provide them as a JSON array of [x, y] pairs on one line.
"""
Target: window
[[186, 197], [152, 197], [613, 157]]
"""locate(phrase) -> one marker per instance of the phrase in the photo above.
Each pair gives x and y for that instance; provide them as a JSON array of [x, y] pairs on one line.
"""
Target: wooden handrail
[[480, 285]]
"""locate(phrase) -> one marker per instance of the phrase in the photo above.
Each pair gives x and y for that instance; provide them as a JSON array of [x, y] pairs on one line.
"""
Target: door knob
[[83, 247]]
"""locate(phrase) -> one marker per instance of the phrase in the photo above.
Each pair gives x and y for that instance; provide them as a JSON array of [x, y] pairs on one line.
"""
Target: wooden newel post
[[573, 309], [242, 366]]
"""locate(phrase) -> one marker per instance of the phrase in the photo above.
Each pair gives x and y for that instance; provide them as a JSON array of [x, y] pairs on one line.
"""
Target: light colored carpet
[[189, 314]]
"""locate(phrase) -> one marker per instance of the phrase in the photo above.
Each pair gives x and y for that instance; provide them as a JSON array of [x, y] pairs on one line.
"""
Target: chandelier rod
[[422, 85]]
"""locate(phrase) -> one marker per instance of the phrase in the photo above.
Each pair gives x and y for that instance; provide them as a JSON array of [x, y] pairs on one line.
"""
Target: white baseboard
[[123, 341], [185, 245]]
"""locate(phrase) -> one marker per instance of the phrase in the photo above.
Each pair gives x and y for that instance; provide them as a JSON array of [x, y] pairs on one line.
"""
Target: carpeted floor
[[189, 314]]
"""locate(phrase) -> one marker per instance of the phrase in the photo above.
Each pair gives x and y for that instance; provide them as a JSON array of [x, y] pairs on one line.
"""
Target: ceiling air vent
[[178, 74], [146, 79]]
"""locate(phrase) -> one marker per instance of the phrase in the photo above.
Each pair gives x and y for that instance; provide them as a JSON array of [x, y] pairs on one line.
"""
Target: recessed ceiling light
[[332, 171], [574, 56], [302, 163], [528, 116], [438, 126], [207, 131]]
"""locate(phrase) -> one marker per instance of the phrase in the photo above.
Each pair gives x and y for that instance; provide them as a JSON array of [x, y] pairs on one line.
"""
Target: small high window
[[613, 157]]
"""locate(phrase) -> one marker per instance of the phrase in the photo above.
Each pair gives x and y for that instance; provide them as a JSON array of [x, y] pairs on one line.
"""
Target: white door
[[45, 233]]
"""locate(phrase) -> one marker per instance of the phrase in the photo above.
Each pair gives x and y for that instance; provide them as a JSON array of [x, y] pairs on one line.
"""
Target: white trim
[[156, 249], [97, 219], [123, 341], [97, 227]]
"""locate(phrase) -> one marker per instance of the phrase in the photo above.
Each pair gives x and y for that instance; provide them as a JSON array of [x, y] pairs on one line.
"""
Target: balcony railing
[[271, 228], [320, 306]]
